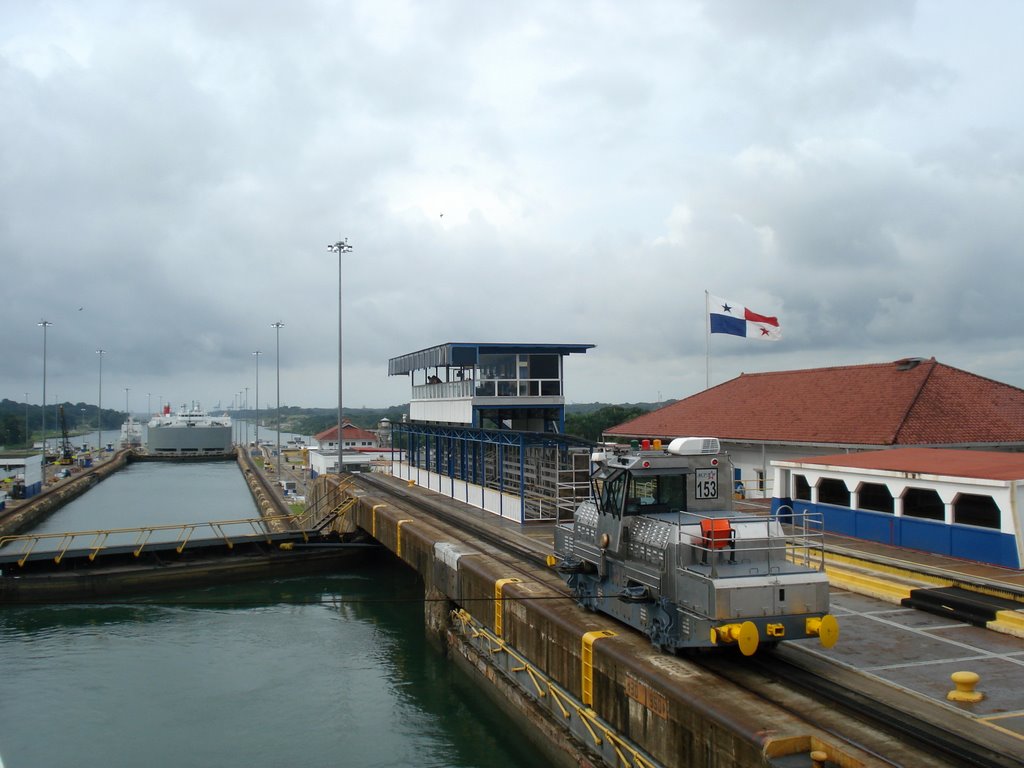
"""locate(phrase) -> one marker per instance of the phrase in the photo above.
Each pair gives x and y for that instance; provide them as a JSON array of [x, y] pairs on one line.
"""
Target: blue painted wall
[[983, 545]]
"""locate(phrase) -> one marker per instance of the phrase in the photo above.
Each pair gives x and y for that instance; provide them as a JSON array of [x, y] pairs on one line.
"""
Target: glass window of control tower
[[511, 367], [544, 366], [498, 367]]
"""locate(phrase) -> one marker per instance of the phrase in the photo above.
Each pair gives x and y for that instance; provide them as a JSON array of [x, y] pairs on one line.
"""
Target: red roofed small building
[[354, 437], [783, 415]]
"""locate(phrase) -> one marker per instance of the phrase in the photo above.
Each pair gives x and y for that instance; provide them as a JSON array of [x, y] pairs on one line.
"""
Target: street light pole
[[257, 354], [45, 324], [277, 327], [247, 418], [28, 438], [99, 407], [340, 247]]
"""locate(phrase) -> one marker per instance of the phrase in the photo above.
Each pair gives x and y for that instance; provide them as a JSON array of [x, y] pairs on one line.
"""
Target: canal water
[[320, 671]]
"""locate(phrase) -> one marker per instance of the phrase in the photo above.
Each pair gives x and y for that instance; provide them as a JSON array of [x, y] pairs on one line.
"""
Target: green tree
[[12, 429], [591, 425]]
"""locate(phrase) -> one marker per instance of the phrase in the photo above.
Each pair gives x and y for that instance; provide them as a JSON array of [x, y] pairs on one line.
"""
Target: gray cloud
[[178, 169]]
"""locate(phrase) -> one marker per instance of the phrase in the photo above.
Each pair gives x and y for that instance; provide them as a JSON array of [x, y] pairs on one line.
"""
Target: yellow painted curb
[[863, 584], [1008, 622]]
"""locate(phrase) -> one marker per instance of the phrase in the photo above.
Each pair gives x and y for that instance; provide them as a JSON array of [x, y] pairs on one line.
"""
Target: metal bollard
[[964, 691], [818, 758]]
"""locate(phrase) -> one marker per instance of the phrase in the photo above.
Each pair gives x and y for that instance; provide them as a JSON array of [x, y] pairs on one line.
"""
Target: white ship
[[131, 434], [189, 432]]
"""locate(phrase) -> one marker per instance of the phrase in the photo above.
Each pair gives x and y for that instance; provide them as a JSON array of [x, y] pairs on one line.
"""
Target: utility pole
[[340, 247]]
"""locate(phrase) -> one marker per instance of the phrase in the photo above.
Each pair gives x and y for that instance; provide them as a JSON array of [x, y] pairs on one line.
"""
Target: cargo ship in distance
[[189, 432]]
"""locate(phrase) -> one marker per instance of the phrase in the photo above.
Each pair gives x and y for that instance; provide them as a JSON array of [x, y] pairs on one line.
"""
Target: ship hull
[[189, 441]]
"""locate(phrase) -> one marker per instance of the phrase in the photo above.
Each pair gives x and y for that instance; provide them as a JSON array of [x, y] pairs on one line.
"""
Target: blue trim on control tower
[[467, 353]]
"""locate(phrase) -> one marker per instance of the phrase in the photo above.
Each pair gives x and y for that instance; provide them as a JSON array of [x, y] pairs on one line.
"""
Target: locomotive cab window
[[612, 491], [656, 493]]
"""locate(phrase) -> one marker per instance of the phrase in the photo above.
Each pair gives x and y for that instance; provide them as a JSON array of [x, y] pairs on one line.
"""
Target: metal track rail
[[950, 736], [484, 533]]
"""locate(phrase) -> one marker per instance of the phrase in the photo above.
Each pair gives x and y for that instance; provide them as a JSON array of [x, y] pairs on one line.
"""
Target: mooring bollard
[[818, 758], [964, 691]]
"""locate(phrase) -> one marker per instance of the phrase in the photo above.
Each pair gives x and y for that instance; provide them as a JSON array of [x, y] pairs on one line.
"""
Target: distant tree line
[[586, 420], [591, 424], [311, 421], [80, 417]]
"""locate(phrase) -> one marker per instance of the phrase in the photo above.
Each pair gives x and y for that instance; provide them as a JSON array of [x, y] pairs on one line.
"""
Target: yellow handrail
[[100, 537]]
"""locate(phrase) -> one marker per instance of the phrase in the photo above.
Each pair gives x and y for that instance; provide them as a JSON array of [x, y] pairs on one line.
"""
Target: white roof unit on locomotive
[[680, 446]]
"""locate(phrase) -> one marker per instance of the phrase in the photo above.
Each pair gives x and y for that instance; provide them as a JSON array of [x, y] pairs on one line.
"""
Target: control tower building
[[486, 426]]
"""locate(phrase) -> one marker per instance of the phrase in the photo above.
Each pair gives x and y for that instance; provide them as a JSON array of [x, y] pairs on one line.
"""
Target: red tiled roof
[[352, 432], [988, 465], [915, 402]]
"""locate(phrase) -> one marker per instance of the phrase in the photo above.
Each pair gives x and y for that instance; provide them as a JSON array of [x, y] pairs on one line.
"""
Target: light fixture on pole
[[246, 415], [99, 406], [277, 327], [44, 324], [257, 354], [340, 247]]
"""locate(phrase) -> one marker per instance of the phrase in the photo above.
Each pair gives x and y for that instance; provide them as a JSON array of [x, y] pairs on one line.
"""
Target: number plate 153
[[707, 483]]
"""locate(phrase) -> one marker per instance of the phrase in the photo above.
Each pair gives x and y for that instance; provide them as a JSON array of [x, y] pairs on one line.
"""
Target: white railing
[[445, 390]]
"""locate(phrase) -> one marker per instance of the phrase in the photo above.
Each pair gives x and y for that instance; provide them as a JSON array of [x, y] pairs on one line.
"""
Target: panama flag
[[727, 317]]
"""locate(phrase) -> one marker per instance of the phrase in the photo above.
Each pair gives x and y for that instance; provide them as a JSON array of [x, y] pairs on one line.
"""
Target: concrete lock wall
[[39, 507], [673, 712]]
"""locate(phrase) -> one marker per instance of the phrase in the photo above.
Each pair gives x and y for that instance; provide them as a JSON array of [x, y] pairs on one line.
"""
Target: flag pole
[[707, 340]]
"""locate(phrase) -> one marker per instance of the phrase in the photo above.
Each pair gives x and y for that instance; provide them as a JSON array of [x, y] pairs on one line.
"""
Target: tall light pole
[[340, 247], [149, 404], [99, 406], [45, 324], [28, 437], [277, 327], [257, 354], [247, 416]]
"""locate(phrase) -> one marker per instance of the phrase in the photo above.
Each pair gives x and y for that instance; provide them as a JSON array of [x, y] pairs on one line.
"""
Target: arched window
[[923, 502], [876, 497], [832, 490], [801, 488], [973, 509]]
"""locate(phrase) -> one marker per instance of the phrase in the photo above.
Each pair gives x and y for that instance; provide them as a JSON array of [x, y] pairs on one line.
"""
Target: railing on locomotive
[[802, 543]]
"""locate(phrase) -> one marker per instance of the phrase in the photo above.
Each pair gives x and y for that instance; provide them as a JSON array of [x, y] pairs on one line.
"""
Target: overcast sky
[[560, 172]]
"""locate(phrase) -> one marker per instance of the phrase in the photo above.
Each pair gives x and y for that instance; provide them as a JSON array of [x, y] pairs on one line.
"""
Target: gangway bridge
[[106, 563]]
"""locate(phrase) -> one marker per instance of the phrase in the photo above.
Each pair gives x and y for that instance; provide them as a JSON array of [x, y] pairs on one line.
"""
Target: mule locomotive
[[659, 546]]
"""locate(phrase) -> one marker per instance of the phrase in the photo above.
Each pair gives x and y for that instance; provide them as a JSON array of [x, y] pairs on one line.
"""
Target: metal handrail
[[311, 521], [101, 536], [803, 541]]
